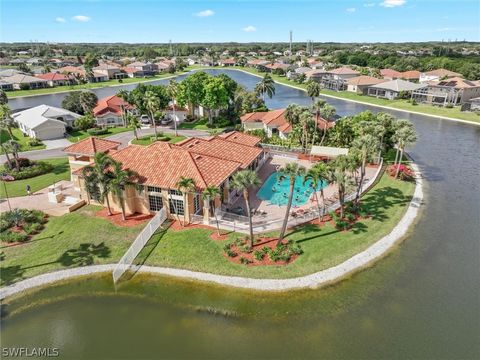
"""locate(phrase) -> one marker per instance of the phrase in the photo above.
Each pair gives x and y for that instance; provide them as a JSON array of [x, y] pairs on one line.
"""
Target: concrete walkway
[[315, 280]]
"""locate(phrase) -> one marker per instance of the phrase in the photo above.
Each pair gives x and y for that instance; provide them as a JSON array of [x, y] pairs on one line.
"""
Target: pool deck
[[277, 212]]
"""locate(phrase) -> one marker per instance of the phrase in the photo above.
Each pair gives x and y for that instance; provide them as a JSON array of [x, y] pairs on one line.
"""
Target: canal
[[422, 301]]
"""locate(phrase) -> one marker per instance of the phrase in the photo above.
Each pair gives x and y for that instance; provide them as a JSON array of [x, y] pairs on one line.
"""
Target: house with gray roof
[[391, 89], [25, 82]]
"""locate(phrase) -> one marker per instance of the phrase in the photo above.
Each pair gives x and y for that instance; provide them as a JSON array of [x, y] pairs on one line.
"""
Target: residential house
[[475, 104], [208, 161], [391, 89], [390, 74], [56, 79], [275, 66], [228, 62], [176, 113], [44, 122], [257, 63], [336, 79], [5, 85], [110, 111], [437, 75], [10, 72], [22, 81], [448, 91], [148, 68], [295, 73], [361, 83], [133, 72], [412, 75], [111, 71]]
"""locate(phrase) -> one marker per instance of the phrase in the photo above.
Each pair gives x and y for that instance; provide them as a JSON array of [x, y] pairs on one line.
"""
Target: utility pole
[[291, 35]]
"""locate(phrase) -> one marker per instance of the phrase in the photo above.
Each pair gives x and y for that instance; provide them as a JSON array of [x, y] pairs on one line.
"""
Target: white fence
[[138, 244]]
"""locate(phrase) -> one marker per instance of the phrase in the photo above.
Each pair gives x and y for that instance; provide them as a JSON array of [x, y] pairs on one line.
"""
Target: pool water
[[276, 190]]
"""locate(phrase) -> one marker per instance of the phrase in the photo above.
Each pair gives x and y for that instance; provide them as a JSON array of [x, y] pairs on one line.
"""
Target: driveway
[[56, 144]]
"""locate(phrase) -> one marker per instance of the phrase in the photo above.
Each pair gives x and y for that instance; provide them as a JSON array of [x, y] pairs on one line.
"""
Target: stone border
[[315, 280]]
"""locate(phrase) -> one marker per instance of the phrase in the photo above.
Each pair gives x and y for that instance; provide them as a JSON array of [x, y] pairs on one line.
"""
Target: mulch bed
[[259, 244], [116, 218]]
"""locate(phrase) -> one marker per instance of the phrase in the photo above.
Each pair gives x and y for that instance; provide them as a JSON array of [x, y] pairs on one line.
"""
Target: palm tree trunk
[[396, 156], [135, 133], [318, 206], [215, 216], [8, 157], [341, 198], [323, 202], [154, 125], [122, 205], [360, 183], [108, 206], [398, 167], [185, 207], [175, 119], [287, 213], [249, 214]]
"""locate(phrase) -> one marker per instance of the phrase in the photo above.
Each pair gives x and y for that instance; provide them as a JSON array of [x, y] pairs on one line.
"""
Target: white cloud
[[205, 13], [369, 4], [351, 10], [250, 28], [60, 20], [393, 3], [81, 18]]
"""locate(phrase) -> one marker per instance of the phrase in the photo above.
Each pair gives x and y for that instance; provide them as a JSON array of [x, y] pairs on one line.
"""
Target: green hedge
[[35, 169], [96, 132]]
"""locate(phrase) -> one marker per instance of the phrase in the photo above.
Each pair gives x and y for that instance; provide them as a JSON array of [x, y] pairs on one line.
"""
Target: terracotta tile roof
[[277, 66], [457, 83], [285, 128], [390, 73], [163, 164], [344, 70], [413, 74], [228, 61], [72, 69], [220, 148], [441, 73], [91, 145], [364, 80], [112, 104], [240, 138], [131, 70], [52, 76], [274, 118]]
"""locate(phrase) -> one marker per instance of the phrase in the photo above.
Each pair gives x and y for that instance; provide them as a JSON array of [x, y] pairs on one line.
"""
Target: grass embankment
[[126, 81], [20, 138], [150, 139], [399, 104], [77, 135], [61, 171], [67, 241]]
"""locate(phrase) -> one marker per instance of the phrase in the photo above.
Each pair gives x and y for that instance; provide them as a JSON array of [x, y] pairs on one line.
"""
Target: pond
[[422, 301]]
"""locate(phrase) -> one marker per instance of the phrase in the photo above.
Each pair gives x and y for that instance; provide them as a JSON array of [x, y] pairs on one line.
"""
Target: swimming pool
[[277, 189]]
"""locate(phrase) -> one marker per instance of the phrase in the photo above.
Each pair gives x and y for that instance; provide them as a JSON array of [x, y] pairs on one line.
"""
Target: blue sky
[[243, 20]]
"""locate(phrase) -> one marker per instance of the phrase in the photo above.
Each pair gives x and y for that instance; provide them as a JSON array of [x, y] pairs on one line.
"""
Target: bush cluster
[[34, 168], [96, 132], [27, 223]]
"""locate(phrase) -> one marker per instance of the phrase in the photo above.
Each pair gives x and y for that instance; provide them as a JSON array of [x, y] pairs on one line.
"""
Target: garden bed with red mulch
[[116, 218]]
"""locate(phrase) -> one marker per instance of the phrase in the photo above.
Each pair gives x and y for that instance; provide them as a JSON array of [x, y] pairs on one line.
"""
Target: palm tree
[[243, 181], [209, 195], [120, 179], [339, 175], [88, 100], [313, 89], [13, 147], [398, 126], [124, 95], [318, 176], [185, 185], [266, 86], [6, 121], [365, 146], [172, 90], [97, 178], [152, 104], [406, 136], [291, 171], [133, 123]]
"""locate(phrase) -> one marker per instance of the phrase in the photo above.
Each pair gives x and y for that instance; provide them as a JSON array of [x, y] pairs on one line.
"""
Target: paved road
[[124, 138]]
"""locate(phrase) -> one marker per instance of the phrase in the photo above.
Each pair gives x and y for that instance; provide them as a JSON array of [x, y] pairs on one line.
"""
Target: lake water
[[422, 301]]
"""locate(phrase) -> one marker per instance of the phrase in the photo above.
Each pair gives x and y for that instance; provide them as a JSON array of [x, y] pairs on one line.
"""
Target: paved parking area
[[56, 144]]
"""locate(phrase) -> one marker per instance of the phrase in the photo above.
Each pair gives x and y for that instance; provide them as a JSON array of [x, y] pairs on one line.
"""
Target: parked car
[[166, 121], [145, 119]]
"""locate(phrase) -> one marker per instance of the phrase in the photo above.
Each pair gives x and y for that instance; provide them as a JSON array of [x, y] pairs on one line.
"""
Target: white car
[[144, 119]]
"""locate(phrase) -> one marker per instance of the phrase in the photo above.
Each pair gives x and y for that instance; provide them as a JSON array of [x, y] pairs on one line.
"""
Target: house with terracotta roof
[[148, 68], [455, 90], [56, 79], [361, 83], [437, 75], [208, 161], [228, 62], [412, 75], [110, 111], [22, 81], [390, 74]]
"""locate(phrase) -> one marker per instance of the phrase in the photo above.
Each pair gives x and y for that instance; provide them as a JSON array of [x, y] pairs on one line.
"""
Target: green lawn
[[17, 93], [201, 124], [61, 171], [77, 135], [20, 138], [67, 242], [394, 104], [147, 140]]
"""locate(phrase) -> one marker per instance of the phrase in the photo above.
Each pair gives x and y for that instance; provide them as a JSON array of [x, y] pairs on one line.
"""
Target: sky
[[150, 21]]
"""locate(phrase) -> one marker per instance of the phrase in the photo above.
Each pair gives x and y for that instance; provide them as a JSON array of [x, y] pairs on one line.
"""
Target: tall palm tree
[[340, 176], [88, 100], [399, 126], [134, 124], [313, 89], [172, 90], [365, 146], [124, 95], [290, 171], [97, 179], [243, 181], [318, 175], [152, 104], [266, 86], [120, 179], [186, 186], [209, 195], [13, 147], [406, 136], [6, 120]]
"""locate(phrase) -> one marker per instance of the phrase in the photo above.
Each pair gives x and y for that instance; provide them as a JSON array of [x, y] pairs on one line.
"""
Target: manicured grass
[[201, 124], [20, 138], [61, 171], [60, 244], [17, 93], [394, 104], [77, 135], [150, 139]]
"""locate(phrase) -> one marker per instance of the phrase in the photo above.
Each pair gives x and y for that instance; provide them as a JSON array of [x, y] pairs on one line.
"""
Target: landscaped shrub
[[18, 225], [245, 261], [35, 168], [12, 236], [22, 162], [96, 132], [34, 142], [258, 255], [84, 122], [404, 172]]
